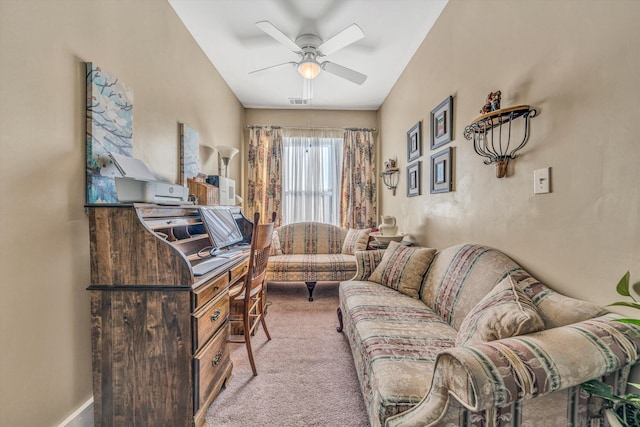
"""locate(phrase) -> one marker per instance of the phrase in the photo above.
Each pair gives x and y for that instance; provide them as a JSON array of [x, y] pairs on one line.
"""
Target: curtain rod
[[309, 128]]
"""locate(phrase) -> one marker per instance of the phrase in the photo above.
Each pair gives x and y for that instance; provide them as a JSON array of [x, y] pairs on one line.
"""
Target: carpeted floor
[[306, 375]]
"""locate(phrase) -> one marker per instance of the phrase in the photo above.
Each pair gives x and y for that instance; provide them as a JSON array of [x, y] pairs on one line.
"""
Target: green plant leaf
[[635, 386], [623, 285], [629, 321], [600, 389], [626, 304]]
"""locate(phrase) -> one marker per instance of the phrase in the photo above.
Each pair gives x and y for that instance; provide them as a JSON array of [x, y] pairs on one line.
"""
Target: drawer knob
[[216, 315], [217, 359]]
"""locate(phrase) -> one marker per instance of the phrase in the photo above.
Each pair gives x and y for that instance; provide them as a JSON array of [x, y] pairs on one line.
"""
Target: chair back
[[259, 256]]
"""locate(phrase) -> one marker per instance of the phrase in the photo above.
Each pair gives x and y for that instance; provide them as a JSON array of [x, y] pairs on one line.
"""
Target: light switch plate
[[541, 181]]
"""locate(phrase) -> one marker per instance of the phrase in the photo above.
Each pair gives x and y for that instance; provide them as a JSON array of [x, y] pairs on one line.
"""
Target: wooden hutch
[[159, 333]]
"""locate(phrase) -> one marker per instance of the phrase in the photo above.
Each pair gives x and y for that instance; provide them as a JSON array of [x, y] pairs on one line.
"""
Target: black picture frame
[[414, 142], [442, 123], [441, 171], [413, 179]]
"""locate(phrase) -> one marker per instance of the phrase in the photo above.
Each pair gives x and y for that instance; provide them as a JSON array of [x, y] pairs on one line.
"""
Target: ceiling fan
[[311, 47]]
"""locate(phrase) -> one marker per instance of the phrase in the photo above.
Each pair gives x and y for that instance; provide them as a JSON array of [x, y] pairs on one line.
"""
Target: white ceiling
[[226, 32]]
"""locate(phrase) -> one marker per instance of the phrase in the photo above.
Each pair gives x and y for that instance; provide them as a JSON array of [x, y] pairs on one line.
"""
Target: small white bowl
[[386, 239]]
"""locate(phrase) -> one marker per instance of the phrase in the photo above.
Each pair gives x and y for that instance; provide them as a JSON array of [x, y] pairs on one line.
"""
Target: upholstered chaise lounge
[[466, 337], [312, 252]]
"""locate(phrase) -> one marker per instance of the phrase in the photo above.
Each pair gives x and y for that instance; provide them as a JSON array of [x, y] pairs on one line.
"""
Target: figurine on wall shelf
[[390, 164], [492, 104]]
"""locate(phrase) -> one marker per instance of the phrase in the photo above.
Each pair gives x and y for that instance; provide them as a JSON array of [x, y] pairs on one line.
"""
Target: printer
[[136, 183]]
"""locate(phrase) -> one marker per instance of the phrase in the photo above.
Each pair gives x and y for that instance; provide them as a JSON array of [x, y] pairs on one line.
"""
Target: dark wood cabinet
[[159, 334]]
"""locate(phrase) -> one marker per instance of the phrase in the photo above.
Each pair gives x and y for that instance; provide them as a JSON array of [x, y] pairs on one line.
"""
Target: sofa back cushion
[[504, 312], [311, 238], [555, 309], [356, 240], [460, 276], [402, 268]]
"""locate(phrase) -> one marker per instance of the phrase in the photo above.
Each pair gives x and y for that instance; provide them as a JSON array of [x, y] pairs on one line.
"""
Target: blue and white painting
[[109, 129], [189, 153]]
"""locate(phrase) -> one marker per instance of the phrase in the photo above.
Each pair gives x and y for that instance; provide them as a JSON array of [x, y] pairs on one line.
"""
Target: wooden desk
[[158, 333]]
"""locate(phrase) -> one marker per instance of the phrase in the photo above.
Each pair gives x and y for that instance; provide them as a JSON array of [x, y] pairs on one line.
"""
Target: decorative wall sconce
[[391, 175], [226, 153], [492, 141]]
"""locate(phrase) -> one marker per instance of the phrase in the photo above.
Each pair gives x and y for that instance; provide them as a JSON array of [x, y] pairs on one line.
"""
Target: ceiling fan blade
[[273, 66], [344, 72], [278, 35], [344, 38]]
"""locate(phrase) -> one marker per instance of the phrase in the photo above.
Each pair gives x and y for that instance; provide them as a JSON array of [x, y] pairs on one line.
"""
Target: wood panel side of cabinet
[[125, 252], [142, 371]]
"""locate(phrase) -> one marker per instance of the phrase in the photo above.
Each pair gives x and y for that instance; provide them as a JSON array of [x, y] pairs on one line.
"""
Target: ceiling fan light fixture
[[309, 69]]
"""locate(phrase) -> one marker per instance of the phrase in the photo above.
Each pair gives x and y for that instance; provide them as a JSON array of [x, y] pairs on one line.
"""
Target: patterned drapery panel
[[358, 207], [264, 172]]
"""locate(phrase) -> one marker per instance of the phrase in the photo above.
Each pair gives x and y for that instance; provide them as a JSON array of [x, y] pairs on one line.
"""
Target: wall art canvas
[[109, 129], [189, 153]]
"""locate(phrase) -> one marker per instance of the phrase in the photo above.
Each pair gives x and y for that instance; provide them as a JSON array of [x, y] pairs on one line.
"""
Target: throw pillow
[[504, 312], [403, 267], [276, 249], [356, 240]]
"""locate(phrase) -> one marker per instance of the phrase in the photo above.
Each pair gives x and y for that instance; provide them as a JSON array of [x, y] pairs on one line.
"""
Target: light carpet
[[306, 375]]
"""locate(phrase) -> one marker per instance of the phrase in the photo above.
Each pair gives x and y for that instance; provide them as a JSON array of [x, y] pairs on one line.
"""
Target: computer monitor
[[221, 226]]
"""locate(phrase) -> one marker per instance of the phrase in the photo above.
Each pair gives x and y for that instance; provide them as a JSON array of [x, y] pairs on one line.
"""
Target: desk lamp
[[226, 153]]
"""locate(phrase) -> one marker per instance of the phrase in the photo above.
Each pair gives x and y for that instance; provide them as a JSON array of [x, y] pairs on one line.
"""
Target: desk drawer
[[209, 365], [203, 294], [209, 319], [238, 272]]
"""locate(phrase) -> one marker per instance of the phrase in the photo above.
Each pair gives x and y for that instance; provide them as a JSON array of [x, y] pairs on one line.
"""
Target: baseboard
[[81, 417]]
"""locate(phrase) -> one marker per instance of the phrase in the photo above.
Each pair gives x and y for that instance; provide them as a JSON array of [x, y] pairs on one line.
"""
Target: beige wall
[[576, 62], [45, 367]]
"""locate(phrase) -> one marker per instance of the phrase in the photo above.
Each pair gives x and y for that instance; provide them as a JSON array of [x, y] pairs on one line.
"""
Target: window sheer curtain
[[312, 171], [359, 193], [264, 172]]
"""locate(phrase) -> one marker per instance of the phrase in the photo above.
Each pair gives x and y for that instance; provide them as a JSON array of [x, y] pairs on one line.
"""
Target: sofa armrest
[[366, 262], [501, 372]]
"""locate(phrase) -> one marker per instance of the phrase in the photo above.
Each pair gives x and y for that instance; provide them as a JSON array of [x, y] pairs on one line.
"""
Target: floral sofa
[[466, 337], [312, 252]]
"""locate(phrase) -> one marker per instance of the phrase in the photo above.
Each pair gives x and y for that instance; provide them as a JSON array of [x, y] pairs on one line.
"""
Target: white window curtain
[[311, 175]]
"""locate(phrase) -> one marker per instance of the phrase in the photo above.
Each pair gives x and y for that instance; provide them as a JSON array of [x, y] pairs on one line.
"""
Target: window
[[311, 175]]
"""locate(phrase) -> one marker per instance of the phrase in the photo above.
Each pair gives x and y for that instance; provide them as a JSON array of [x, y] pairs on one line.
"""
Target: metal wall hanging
[[491, 132]]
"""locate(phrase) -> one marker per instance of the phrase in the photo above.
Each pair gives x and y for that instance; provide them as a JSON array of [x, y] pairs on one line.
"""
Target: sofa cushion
[[276, 249], [366, 262], [504, 312], [555, 309], [402, 268], [311, 238], [356, 240], [395, 340], [311, 268], [460, 276]]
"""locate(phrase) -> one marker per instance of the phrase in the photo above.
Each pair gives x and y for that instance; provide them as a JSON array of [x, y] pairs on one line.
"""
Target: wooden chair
[[252, 294]]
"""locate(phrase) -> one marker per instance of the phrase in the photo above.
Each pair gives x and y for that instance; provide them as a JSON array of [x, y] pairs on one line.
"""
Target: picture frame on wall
[[413, 179], [414, 142], [441, 170], [442, 123]]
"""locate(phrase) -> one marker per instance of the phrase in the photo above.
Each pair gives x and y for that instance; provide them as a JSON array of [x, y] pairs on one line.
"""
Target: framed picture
[[442, 123], [414, 142], [441, 168], [413, 179]]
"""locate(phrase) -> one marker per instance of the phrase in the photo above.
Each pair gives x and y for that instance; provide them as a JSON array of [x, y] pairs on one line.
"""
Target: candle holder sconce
[[391, 175]]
